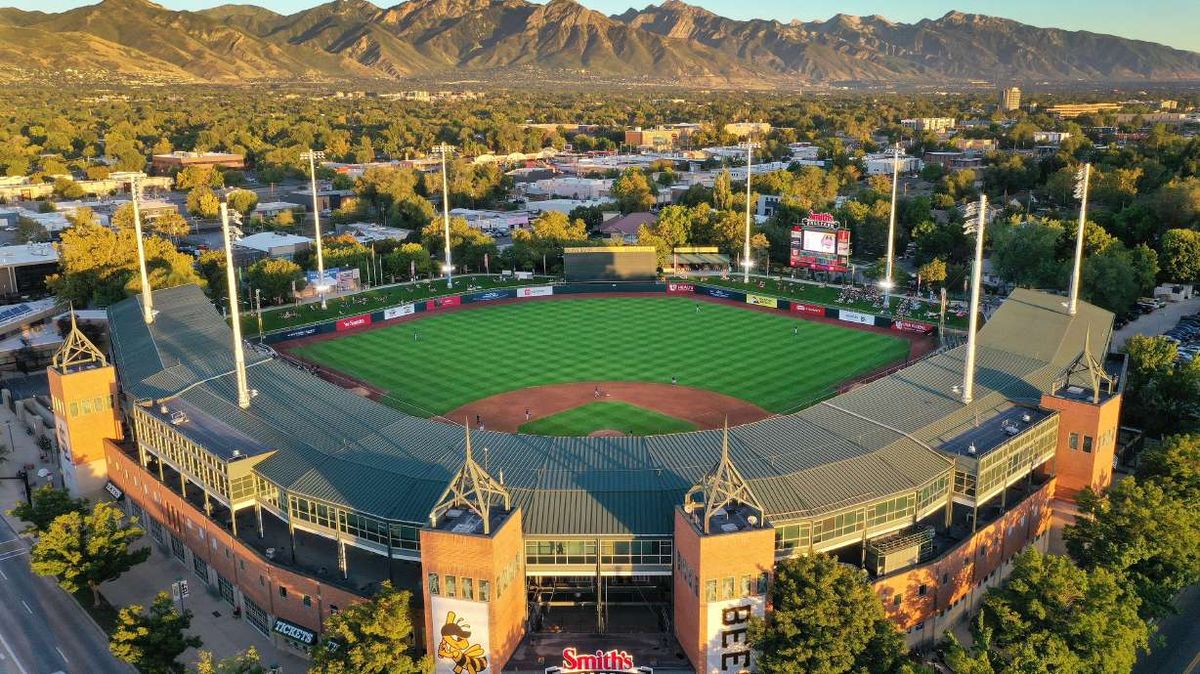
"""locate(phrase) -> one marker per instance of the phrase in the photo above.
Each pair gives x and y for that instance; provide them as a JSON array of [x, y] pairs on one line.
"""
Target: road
[[1156, 322], [42, 629], [1180, 654]]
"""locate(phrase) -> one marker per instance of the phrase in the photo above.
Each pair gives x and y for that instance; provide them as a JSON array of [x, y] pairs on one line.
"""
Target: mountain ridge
[[670, 41]]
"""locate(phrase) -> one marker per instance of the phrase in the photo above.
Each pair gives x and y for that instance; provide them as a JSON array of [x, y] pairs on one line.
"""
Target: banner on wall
[[360, 321], [397, 312], [728, 626], [443, 302], [681, 288], [808, 309], [855, 317], [535, 291], [762, 301], [461, 628], [912, 326]]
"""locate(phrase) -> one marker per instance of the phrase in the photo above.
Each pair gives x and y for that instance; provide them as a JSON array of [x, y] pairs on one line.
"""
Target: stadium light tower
[[313, 156], [447, 266], [239, 356], [135, 195], [978, 212], [1081, 193], [888, 280], [746, 261]]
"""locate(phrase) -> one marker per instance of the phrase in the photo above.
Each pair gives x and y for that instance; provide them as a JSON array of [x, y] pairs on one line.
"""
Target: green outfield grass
[[617, 416], [436, 364]]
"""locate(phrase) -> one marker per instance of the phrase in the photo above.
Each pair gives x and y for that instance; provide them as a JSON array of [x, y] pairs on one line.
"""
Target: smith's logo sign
[[600, 662]]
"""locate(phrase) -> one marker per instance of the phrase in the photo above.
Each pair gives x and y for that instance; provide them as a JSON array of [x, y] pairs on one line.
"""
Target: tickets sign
[[442, 303], [912, 326]]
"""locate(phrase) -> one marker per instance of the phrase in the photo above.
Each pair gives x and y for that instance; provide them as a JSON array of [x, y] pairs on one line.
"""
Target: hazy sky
[[1172, 22]]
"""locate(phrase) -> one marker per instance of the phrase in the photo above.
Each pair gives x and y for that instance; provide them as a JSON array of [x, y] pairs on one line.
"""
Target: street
[[42, 629], [1180, 654]]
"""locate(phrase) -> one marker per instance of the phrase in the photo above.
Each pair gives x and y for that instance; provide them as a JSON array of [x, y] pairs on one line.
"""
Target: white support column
[[888, 280], [312, 156], [746, 261], [239, 356], [968, 387], [448, 265], [135, 196], [1081, 192]]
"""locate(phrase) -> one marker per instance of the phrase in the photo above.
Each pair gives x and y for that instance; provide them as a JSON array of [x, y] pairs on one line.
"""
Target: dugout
[[610, 263]]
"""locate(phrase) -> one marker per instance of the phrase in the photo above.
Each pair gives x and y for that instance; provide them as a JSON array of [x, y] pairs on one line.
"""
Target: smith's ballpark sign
[[600, 662]]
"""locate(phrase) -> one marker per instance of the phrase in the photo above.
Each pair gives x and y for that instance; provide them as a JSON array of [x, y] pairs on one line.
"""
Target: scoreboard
[[820, 243]]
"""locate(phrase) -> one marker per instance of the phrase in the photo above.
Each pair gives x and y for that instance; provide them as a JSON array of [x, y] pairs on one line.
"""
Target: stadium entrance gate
[[600, 604]]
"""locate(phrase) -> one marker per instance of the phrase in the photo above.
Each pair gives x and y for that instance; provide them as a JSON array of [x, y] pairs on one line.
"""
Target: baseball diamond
[[297, 496]]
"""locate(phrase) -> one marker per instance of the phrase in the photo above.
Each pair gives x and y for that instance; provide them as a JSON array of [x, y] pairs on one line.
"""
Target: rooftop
[[267, 241], [221, 439], [27, 254], [990, 434]]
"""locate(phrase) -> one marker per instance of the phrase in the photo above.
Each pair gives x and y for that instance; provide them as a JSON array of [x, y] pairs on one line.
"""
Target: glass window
[[762, 583], [450, 583], [745, 586], [468, 588], [922, 591], [1087, 444], [282, 591], [896, 600], [1073, 441], [710, 590], [485, 590], [727, 588], [307, 600], [433, 584]]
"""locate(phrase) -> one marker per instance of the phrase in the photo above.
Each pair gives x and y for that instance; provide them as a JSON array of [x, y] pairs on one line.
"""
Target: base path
[[506, 411]]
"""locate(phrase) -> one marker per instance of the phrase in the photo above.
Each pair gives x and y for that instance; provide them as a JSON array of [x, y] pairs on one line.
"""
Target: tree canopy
[[371, 637], [85, 549], [153, 640], [47, 504]]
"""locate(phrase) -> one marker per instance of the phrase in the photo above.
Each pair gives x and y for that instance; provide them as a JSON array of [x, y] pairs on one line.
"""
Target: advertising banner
[[762, 301], [855, 317], [331, 277], [535, 291], [680, 288], [460, 628], [808, 309], [301, 332], [818, 241], [392, 313], [912, 326], [489, 295], [721, 293], [360, 321], [442, 303], [728, 623], [346, 279]]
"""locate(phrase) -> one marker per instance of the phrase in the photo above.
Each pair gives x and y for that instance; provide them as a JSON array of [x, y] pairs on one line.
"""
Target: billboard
[[331, 276], [912, 326], [461, 628], [820, 243], [721, 293], [443, 302], [392, 313], [301, 332], [353, 322], [728, 623], [808, 309], [535, 291], [855, 317], [489, 295], [680, 288], [762, 301]]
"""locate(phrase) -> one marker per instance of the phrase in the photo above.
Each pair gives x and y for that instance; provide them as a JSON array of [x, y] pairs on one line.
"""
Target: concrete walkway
[[1156, 322]]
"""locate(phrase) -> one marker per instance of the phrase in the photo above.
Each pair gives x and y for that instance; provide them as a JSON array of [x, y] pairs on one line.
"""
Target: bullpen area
[[558, 367]]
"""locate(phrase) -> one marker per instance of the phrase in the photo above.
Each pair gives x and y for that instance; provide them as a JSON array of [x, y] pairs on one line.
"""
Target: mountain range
[[348, 40]]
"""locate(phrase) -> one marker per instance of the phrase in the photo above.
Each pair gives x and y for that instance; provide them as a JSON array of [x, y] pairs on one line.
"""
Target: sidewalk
[[25, 453], [212, 617]]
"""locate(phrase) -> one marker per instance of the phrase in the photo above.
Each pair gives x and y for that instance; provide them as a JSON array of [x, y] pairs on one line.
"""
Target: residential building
[[881, 164], [1050, 137], [661, 137], [572, 187], [935, 124], [747, 129], [1010, 99], [626, 226]]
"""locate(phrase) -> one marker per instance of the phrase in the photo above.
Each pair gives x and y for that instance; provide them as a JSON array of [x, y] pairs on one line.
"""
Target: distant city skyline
[[1169, 22]]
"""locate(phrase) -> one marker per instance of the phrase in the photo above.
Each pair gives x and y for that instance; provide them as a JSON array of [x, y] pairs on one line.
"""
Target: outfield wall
[[366, 320]]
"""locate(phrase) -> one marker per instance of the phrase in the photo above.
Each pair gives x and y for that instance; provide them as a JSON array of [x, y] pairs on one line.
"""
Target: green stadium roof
[[336, 446]]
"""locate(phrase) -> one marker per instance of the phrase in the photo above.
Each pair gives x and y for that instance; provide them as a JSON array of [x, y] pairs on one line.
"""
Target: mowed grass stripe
[[607, 415], [443, 361]]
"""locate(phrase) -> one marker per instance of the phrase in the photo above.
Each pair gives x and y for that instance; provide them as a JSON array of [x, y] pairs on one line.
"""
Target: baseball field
[[544, 366]]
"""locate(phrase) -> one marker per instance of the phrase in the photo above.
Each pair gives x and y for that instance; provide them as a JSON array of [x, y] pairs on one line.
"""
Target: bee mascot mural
[[456, 646]]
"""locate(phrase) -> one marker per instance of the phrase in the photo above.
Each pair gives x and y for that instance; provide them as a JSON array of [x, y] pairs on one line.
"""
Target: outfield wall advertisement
[[721, 293], [535, 291], [808, 309], [443, 302], [680, 289], [353, 322], [392, 313], [762, 301], [912, 326], [489, 295], [728, 623], [855, 317]]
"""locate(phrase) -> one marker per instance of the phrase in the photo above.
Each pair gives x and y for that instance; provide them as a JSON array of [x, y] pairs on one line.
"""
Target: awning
[[295, 632], [114, 490]]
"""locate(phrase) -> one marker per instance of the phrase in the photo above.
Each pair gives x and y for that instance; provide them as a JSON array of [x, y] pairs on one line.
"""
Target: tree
[[29, 230], [722, 195], [1084, 621], [592, 216], [1180, 253], [274, 277], [191, 177], [633, 191], [242, 201], [1025, 253], [468, 245], [248, 662], [547, 235], [1174, 465], [933, 272], [202, 202], [1160, 392], [169, 224], [48, 504], [370, 637], [67, 188], [153, 641], [1116, 277], [826, 618], [85, 549]]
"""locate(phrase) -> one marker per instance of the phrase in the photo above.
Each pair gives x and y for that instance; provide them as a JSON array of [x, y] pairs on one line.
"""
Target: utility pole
[[746, 262], [313, 156], [447, 266], [135, 195], [888, 281], [239, 356], [1081, 193], [980, 212]]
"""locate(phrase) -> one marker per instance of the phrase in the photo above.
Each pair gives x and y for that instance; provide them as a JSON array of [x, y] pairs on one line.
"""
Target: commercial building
[[1050, 137], [882, 163], [661, 137], [174, 161], [571, 187], [747, 129], [935, 124], [953, 161], [1010, 99], [309, 497], [24, 268], [273, 244], [1072, 110]]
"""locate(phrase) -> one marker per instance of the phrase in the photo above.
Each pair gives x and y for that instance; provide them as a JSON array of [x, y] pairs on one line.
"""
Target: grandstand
[[315, 492]]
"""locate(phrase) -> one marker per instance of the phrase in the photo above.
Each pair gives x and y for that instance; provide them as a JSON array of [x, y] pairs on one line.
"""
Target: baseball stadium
[[588, 466]]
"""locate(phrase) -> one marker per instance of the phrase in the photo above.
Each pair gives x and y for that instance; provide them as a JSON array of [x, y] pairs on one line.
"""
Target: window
[[710, 590], [307, 600], [1073, 441], [727, 588], [468, 588], [945, 578], [922, 591], [762, 583], [1087, 444], [283, 592], [897, 599], [485, 590], [433, 584], [450, 586], [745, 586]]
